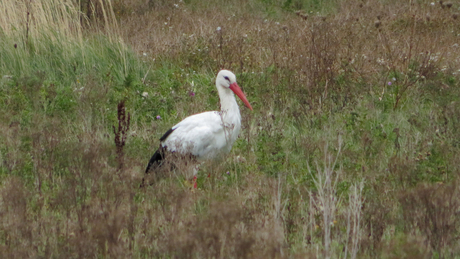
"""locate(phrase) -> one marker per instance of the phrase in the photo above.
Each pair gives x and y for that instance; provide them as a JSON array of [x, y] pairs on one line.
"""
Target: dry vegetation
[[352, 151]]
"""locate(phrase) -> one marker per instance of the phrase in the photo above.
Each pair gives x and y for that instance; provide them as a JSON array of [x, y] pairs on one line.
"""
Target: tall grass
[[26, 20], [51, 33]]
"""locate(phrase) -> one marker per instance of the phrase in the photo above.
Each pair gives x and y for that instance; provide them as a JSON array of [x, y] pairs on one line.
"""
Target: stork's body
[[206, 135]]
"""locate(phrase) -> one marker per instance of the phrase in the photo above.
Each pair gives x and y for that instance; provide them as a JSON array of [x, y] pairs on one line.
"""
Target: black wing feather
[[158, 156], [155, 162], [156, 159], [160, 153], [165, 136]]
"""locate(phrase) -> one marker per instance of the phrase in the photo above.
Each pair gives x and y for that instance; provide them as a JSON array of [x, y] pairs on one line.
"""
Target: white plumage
[[203, 135], [209, 134]]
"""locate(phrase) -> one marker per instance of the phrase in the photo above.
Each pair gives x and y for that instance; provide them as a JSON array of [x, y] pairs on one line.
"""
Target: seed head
[[442, 4]]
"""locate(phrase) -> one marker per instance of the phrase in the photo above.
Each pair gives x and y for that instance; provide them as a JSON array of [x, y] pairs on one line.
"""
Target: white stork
[[207, 135]]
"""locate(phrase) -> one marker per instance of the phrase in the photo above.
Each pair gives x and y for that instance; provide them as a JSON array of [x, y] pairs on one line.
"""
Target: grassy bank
[[352, 149]]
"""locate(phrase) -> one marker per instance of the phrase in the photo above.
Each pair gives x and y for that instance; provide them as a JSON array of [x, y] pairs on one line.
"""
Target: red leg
[[194, 182]]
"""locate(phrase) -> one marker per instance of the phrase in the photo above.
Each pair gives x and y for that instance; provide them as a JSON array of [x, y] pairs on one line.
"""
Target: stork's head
[[227, 79]]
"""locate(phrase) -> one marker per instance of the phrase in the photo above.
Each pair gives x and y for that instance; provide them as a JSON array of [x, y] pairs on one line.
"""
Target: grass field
[[352, 150]]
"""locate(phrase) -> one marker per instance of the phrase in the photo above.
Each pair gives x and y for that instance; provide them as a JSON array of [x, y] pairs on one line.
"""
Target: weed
[[121, 133]]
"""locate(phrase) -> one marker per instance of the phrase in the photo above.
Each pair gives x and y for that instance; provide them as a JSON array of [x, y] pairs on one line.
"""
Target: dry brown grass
[[33, 19], [433, 210], [348, 43]]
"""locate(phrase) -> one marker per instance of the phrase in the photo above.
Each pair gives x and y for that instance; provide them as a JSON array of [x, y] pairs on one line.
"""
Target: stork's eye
[[226, 78]]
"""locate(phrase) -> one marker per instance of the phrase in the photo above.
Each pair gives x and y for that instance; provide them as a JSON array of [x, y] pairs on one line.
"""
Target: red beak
[[237, 90]]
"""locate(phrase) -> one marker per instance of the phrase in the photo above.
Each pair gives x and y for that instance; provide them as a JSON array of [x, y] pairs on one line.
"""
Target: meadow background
[[352, 150]]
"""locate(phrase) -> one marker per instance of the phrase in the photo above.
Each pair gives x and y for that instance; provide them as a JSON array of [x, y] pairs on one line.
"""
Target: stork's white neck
[[230, 113], [228, 104]]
